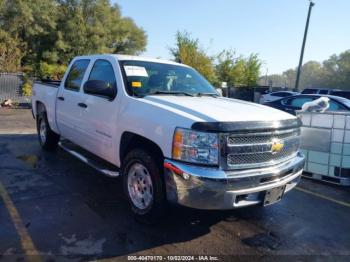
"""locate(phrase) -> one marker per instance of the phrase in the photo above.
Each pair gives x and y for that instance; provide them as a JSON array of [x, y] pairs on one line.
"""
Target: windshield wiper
[[169, 93]]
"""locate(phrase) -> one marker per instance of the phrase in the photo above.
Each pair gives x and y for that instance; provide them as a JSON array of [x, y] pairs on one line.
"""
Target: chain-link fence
[[11, 87]]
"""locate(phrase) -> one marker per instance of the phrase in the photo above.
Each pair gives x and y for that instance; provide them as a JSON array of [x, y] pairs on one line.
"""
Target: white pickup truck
[[166, 131]]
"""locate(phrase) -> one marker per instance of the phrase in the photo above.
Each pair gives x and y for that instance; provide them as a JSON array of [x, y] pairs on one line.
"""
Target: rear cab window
[[76, 75]]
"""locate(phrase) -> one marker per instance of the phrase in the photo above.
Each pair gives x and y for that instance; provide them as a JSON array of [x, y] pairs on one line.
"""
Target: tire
[[143, 179], [47, 138]]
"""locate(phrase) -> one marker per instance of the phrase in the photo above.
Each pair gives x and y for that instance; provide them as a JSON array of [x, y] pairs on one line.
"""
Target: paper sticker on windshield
[[135, 71]]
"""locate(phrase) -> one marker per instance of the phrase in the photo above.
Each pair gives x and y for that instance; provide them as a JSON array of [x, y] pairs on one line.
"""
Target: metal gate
[[11, 86]]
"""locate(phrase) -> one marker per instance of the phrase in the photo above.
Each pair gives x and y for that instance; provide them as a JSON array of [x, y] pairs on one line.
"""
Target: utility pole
[[303, 46]]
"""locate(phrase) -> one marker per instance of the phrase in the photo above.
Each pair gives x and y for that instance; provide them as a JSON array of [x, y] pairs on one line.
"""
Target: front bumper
[[209, 188]]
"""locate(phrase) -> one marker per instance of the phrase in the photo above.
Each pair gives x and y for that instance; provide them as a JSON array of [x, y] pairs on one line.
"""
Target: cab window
[[103, 70], [76, 74]]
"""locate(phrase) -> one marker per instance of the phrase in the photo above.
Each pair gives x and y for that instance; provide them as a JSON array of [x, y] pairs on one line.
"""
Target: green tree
[[188, 51], [54, 31], [238, 71], [343, 63], [95, 27], [252, 70], [290, 77], [337, 70], [226, 68], [31, 22], [10, 53], [331, 73], [312, 75], [52, 71]]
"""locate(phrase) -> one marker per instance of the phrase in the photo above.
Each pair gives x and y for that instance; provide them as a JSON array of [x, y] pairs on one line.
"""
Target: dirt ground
[[53, 207]]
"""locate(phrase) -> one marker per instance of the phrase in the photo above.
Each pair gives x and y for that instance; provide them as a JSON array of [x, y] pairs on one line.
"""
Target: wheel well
[[40, 107], [131, 141]]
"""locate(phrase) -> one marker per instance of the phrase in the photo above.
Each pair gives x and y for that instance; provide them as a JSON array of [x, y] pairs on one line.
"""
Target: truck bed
[[45, 92]]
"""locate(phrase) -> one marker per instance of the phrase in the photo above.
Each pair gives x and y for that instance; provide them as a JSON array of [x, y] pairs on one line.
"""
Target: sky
[[272, 28]]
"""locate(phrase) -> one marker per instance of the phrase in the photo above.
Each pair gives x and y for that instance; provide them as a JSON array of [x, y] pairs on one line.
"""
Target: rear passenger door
[[68, 113], [99, 118]]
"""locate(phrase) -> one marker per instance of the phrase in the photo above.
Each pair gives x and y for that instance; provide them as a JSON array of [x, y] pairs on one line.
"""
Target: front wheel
[[143, 184], [47, 138]]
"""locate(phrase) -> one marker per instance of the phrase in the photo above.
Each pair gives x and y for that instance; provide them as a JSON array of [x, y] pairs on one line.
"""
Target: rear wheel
[[47, 138], [143, 185]]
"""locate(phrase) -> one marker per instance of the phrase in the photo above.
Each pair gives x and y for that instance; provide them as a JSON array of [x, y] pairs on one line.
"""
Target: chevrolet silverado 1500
[[167, 132]]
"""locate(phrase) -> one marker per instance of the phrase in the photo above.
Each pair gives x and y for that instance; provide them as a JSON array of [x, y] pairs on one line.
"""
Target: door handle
[[60, 98], [82, 105]]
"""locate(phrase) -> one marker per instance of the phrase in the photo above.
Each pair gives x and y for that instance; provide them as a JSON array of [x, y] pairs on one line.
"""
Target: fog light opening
[[240, 198]]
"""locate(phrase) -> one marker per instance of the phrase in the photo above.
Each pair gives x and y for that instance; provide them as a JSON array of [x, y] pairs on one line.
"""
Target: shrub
[[51, 71], [27, 88]]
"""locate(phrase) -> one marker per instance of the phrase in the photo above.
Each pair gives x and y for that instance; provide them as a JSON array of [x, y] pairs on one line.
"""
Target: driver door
[[99, 115]]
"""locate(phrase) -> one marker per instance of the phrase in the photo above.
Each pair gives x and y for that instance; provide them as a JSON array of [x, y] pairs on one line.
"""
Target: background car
[[292, 103], [321, 91], [342, 93], [275, 96]]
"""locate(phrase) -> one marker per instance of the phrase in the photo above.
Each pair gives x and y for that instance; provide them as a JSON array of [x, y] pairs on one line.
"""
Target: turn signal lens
[[177, 143]]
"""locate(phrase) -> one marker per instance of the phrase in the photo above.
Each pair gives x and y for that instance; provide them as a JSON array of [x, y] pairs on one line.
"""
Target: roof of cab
[[130, 57]]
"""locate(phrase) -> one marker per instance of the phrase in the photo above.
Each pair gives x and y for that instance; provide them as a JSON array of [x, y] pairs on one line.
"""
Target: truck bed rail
[[52, 83]]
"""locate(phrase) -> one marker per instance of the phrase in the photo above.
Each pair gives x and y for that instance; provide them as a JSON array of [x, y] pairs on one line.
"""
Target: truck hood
[[220, 109]]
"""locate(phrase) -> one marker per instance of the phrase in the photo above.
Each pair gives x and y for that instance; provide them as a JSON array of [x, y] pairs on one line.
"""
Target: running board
[[93, 161]]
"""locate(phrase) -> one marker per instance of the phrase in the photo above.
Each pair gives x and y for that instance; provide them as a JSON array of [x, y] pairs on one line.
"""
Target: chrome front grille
[[237, 139], [252, 150]]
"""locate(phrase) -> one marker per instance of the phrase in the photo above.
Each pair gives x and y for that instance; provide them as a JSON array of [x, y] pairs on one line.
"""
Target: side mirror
[[100, 88]]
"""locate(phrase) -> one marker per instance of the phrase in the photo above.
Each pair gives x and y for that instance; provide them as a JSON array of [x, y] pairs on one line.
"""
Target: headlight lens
[[196, 147]]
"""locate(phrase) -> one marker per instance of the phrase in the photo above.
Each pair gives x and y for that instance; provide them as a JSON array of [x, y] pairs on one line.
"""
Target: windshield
[[149, 78]]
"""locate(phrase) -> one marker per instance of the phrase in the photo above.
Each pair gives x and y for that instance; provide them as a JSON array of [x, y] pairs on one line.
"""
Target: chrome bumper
[[209, 188]]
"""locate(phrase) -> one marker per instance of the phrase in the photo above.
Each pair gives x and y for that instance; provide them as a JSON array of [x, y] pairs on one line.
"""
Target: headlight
[[196, 147]]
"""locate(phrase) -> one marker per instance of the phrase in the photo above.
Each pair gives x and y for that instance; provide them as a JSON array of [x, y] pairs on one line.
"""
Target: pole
[[303, 46]]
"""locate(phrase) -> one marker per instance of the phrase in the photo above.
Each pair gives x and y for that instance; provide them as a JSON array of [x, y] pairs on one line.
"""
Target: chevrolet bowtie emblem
[[276, 146]]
